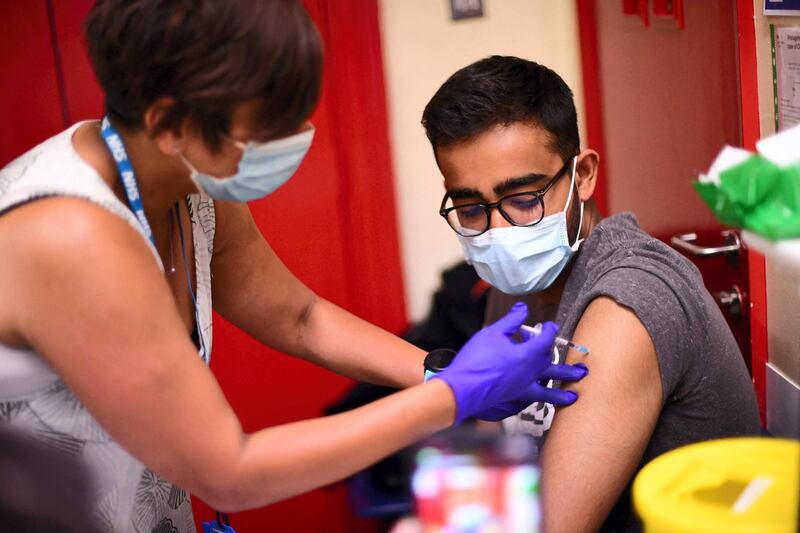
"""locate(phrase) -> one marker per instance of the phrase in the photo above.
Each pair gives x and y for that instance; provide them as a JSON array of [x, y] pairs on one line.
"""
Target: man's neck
[[550, 298]]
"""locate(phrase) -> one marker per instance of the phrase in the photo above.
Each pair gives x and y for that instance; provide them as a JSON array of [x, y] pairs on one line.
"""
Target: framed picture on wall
[[466, 9]]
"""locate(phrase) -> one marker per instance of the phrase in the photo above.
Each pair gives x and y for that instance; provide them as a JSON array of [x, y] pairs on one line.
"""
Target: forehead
[[244, 120], [496, 155]]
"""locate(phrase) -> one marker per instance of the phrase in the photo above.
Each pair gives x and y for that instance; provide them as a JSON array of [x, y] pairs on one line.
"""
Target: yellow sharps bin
[[729, 485]]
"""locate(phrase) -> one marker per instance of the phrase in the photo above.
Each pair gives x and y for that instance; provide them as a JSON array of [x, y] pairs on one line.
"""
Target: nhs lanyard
[[128, 177]]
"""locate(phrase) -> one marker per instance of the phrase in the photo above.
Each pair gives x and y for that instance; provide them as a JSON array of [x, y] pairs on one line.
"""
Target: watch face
[[437, 360]]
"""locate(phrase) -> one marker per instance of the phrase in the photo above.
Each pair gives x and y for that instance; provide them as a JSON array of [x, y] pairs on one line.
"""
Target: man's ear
[[169, 141], [586, 173]]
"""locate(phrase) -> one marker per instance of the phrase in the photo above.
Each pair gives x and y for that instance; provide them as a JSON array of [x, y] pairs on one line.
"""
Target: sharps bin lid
[[732, 485]]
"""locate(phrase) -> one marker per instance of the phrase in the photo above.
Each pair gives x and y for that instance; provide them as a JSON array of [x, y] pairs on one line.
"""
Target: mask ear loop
[[571, 182], [192, 174], [243, 146], [578, 240]]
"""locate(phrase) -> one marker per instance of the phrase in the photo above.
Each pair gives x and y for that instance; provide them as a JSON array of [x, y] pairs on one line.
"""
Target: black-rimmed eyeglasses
[[519, 209]]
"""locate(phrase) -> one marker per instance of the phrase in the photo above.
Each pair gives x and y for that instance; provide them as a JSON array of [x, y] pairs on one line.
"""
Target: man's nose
[[496, 219]]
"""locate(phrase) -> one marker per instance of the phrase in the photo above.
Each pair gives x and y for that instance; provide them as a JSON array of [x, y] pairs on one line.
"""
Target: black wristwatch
[[437, 360]]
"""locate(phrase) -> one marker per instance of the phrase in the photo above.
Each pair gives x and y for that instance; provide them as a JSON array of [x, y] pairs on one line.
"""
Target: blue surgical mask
[[262, 169], [519, 260]]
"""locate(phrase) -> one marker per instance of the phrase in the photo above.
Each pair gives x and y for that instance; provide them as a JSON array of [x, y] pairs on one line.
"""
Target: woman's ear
[[169, 141], [586, 173]]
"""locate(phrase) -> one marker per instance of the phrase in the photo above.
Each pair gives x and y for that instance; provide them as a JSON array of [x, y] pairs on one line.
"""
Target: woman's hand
[[493, 376]]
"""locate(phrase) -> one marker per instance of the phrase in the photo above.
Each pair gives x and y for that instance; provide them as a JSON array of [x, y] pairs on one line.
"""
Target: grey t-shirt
[[706, 390]]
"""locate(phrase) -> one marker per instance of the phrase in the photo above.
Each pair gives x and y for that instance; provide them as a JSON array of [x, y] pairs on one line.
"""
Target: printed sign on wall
[[782, 7]]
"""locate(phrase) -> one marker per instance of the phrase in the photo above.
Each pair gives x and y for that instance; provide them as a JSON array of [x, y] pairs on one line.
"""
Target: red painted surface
[[679, 13], [667, 110], [83, 94], [748, 73], [662, 7], [592, 95], [637, 7], [644, 12], [333, 224], [670, 8], [630, 7], [634, 157], [751, 132], [359, 126], [758, 328], [30, 108], [661, 127]]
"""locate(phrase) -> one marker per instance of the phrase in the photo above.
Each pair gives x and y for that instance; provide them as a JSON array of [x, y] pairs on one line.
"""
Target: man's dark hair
[[502, 90], [209, 56]]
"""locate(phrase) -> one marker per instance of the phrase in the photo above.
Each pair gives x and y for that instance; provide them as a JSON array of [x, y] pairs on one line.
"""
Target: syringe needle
[[537, 329]]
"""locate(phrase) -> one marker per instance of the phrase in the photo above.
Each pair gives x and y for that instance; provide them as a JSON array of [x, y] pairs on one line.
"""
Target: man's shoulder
[[618, 243], [621, 235], [641, 273]]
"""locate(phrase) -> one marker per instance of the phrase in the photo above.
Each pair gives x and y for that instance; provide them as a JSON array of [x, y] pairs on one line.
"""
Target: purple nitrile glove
[[553, 396], [492, 368]]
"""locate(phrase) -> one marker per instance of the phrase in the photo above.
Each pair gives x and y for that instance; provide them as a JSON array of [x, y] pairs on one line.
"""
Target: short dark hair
[[501, 90], [209, 56]]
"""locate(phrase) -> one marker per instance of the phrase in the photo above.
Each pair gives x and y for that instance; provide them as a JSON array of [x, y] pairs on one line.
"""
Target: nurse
[[117, 235]]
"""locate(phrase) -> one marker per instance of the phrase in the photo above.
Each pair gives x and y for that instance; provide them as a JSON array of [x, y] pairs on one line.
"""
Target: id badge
[[216, 527], [221, 525]]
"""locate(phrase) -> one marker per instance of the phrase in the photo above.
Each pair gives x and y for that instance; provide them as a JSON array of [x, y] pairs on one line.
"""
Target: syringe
[[537, 329]]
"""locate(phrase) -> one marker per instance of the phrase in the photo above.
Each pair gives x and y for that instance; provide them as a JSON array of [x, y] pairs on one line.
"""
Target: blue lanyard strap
[[126, 175]]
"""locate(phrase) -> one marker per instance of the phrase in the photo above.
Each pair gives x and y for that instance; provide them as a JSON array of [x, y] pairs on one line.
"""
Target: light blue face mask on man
[[519, 260], [262, 169]]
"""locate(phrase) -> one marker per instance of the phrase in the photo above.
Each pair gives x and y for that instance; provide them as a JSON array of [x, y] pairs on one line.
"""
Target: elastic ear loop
[[574, 246], [193, 174], [571, 181]]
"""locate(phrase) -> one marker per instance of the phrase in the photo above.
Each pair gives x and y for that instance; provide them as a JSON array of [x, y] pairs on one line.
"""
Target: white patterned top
[[128, 496]]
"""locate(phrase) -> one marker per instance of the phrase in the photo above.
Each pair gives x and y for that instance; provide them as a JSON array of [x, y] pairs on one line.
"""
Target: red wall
[[664, 101], [30, 104], [333, 223], [669, 103]]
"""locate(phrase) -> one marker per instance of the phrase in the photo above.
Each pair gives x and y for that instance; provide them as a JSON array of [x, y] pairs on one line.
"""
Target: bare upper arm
[[255, 291], [252, 287], [86, 294], [595, 445], [81, 288]]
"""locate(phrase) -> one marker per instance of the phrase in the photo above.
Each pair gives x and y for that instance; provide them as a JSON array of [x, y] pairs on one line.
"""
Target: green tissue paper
[[754, 192]]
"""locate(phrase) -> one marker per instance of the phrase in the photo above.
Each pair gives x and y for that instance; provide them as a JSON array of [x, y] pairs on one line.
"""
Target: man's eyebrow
[[513, 183], [465, 193], [500, 188]]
